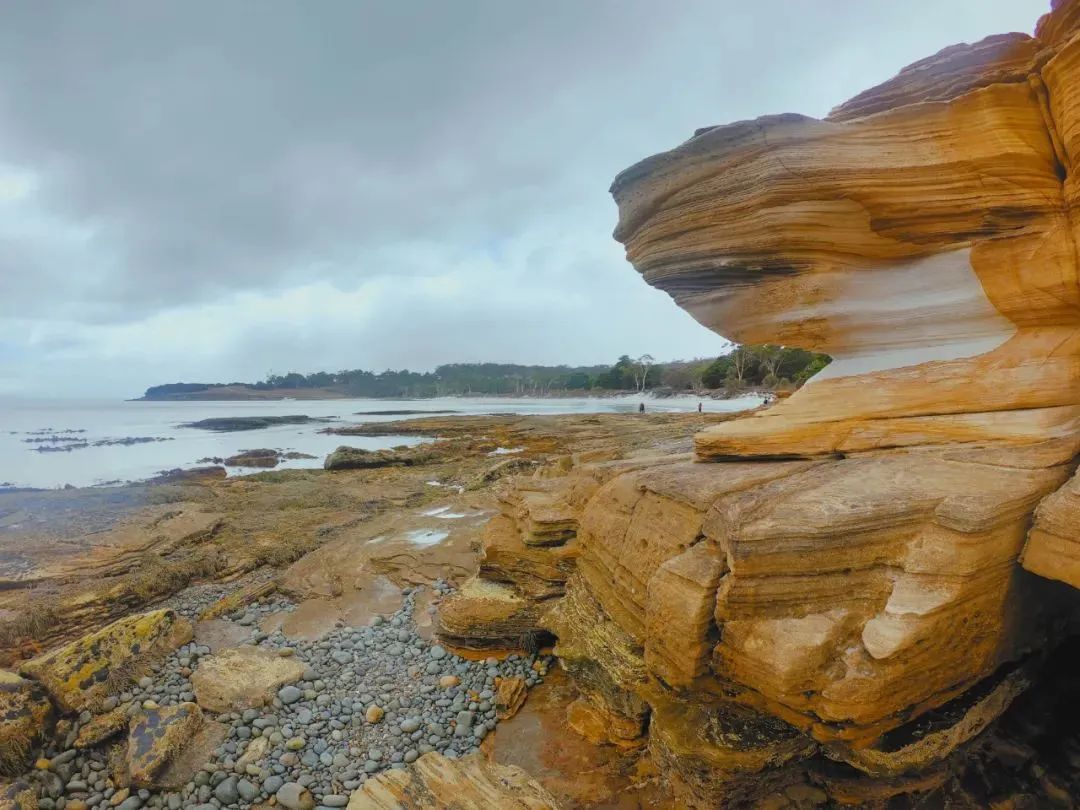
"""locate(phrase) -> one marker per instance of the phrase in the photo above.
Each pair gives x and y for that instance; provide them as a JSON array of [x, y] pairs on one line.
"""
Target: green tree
[[716, 372], [578, 381]]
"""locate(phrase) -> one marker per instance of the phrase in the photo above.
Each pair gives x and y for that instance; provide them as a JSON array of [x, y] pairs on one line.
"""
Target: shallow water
[[22, 465]]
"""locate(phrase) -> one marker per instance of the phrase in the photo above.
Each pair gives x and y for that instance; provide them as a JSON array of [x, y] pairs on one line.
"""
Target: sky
[[207, 191]]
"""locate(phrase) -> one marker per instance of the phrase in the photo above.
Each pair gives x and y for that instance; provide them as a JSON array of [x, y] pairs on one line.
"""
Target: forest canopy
[[766, 366]]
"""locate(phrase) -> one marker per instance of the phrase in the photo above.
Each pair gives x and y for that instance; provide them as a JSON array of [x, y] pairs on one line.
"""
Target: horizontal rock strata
[[924, 235], [835, 608]]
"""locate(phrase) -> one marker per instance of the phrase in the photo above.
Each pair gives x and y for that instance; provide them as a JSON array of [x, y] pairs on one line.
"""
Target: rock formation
[[835, 604], [924, 235]]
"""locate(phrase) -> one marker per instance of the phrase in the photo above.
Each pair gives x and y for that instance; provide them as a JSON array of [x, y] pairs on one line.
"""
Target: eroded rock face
[[930, 248], [835, 609]]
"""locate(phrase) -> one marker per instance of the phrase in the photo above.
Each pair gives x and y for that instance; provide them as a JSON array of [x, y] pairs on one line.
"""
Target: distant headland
[[765, 367]]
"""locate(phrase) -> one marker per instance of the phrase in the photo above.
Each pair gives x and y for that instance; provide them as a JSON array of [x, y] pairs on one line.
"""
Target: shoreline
[[330, 395]]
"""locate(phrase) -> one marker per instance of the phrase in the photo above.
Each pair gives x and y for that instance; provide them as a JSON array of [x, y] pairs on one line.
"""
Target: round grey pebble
[[289, 694]]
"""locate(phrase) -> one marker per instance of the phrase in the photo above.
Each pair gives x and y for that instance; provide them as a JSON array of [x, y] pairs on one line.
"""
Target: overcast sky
[[208, 191]]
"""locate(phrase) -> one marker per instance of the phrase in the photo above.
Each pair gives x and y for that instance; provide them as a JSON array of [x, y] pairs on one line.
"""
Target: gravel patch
[[371, 698]]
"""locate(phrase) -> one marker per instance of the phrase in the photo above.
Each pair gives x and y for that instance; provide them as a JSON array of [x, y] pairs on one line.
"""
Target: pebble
[[294, 796], [289, 695], [226, 792]]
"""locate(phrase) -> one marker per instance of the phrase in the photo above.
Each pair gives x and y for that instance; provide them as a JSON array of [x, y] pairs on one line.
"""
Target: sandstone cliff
[[924, 235], [837, 603]]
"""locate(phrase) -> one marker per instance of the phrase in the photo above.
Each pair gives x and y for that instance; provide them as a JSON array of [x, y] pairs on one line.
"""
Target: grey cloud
[[206, 149]]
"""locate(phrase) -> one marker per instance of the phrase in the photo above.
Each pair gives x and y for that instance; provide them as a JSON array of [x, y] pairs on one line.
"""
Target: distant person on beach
[[699, 407], [641, 408]]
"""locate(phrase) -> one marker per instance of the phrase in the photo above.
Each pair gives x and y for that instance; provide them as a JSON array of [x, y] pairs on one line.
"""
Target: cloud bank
[[210, 191]]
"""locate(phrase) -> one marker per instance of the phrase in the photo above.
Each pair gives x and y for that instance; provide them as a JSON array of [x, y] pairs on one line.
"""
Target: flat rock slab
[[157, 737], [244, 678], [83, 673], [221, 634], [196, 753], [469, 783]]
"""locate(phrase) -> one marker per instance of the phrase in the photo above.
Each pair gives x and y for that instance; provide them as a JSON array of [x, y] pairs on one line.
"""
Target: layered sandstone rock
[[924, 235], [469, 783], [1053, 546], [82, 674], [834, 608]]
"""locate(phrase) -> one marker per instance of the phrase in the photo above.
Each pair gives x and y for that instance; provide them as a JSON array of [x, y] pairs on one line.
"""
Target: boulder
[[294, 796], [244, 678], [80, 675], [156, 737], [25, 713], [469, 783]]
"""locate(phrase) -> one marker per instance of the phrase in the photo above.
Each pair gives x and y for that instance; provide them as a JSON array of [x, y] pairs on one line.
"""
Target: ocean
[[24, 421]]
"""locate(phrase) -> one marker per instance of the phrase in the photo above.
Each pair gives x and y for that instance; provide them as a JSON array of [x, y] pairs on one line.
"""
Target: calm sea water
[[22, 465]]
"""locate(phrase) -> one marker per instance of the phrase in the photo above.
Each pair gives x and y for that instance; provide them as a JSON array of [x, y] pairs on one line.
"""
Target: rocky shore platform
[[271, 640]]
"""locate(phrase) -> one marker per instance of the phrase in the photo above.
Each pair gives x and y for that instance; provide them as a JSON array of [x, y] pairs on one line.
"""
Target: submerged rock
[[228, 424], [262, 457]]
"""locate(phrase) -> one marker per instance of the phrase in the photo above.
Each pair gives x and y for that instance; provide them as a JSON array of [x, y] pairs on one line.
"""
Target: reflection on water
[[102, 425]]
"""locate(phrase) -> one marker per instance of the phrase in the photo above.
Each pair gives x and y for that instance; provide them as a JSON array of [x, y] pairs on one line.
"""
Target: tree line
[[766, 366]]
